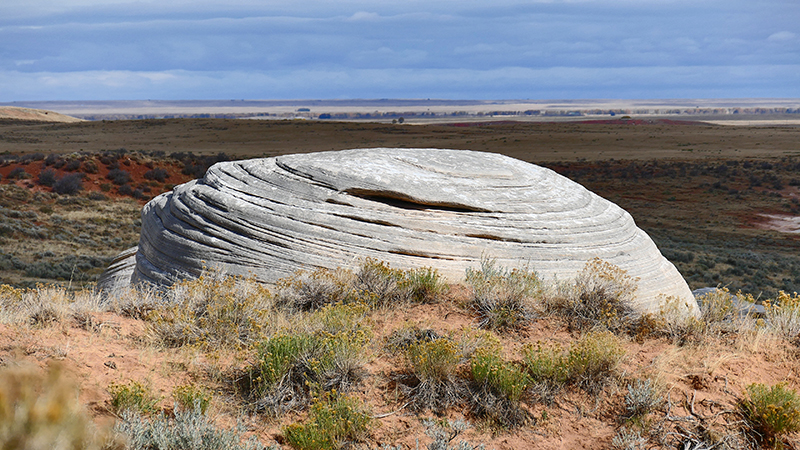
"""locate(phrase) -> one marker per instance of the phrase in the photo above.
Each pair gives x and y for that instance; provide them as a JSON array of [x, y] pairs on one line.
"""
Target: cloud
[[319, 48], [497, 83], [364, 16], [782, 36]]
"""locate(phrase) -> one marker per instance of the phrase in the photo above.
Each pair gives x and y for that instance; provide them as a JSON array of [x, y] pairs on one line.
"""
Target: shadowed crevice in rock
[[398, 200], [445, 209]]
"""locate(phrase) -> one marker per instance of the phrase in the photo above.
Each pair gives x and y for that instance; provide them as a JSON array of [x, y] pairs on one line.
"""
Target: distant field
[[700, 190]]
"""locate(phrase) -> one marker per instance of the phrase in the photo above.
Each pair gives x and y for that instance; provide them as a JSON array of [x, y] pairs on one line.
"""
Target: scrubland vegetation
[[333, 359], [385, 358]]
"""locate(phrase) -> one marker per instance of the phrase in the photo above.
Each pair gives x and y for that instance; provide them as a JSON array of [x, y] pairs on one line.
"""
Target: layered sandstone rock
[[410, 207]]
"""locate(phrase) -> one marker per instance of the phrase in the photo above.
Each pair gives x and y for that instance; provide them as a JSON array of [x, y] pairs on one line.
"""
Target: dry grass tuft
[[214, 311], [503, 299], [601, 295], [41, 411]]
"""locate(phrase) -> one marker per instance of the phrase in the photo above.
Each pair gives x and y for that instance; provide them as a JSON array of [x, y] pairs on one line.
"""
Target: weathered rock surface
[[409, 207]]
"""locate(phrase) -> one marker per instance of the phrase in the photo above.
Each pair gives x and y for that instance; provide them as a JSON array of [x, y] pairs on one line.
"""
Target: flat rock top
[[457, 179]]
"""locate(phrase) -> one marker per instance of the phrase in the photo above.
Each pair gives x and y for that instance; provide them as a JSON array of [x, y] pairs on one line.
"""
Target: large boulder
[[410, 207]]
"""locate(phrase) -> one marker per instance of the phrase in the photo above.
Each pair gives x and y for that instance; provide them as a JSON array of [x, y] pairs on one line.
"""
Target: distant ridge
[[38, 115], [429, 110]]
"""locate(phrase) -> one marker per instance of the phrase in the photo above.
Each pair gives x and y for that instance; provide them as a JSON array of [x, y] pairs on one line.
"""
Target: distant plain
[[702, 191]]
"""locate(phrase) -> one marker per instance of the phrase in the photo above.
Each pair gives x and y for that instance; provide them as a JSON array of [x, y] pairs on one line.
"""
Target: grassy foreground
[[384, 358]]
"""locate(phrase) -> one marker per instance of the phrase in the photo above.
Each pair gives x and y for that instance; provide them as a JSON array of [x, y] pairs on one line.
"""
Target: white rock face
[[410, 207]]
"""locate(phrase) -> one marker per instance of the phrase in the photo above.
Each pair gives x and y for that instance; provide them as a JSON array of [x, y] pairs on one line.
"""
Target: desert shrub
[[771, 412], [334, 422], [443, 433], [401, 338], [783, 315], [548, 366], [601, 296], [324, 352], [424, 285], [504, 378], [594, 360], [435, 382], [135, 302], [502, 298], [41, 411], [675, 322], [157, 174], [119, 176], [139, 194], [125, 189], [499, 387], [192, 396], [69, 184], [379, 285], [47, 177], [214, 310], [189, 429], [589, 363], [307, 291], [51, 159], [626, 439], [717, 307], [18, 173], [642, 397], [90, 166], [72, 165], [133, 396]]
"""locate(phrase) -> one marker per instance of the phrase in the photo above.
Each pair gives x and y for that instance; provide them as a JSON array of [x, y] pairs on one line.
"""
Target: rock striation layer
[[410, 207]]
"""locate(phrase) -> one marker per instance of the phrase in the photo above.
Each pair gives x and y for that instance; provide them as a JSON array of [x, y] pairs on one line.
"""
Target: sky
[[443, 49]]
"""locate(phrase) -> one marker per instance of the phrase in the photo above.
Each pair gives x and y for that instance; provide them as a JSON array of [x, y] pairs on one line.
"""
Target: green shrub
[[191, 396], [499, 387], [334, 421], [588, 363], [675, 322], [434, 367], [424, 285], [717, 307], [133, 396], [325, 351], [379, 285], [594, 359], [502, 298], [189, 429], [41, 411], [504, 378], [771, 411], [548, 366]]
